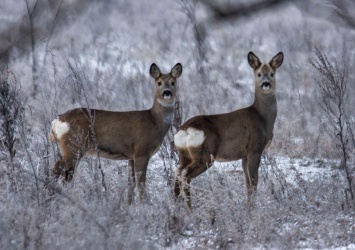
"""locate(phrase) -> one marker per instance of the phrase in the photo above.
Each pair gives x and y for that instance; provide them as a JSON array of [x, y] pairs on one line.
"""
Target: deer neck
[[266, 106], [163, 114]]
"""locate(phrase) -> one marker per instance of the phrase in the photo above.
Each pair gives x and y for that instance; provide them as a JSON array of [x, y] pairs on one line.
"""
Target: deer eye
[[172, 83], [159, 83], [259, 74], [272, 74]]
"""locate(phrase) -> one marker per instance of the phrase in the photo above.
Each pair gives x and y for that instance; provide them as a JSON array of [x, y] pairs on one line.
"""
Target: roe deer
[[241, 134], [134, 136]]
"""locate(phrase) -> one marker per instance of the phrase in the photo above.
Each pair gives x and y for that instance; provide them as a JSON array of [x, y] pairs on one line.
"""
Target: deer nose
[[167, 94], [266, 85]]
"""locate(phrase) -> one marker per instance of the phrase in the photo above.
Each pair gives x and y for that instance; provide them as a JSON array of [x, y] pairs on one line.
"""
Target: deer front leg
[[251, 172], [246, 174], [131, 181], [140, 172]]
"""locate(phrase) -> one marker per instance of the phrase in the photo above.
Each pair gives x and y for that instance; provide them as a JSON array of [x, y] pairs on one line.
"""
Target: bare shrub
[[11, 111], [334, 91]]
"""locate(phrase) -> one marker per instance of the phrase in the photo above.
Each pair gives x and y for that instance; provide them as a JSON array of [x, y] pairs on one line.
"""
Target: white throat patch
[[164, 104]]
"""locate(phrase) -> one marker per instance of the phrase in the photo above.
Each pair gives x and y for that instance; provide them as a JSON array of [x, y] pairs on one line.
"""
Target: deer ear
[[154, 71], [277, 60], [253, 60], [176, 71]]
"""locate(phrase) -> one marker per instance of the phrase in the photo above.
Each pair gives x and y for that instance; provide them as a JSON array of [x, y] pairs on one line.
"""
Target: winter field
[[59, 55]]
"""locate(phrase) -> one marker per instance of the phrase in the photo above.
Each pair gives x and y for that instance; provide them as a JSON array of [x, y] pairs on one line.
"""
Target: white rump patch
[[189, 138], [59, 128], [180, 139], [195, 137]]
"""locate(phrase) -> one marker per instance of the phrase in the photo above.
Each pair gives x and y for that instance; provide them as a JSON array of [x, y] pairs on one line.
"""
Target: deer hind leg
[[131, 181], [66, 166], [184, 161], [194, 169], [71, 156], [251, 173]]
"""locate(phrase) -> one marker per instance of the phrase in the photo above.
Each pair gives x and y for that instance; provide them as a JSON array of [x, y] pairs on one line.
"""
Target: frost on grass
[[299, 204]]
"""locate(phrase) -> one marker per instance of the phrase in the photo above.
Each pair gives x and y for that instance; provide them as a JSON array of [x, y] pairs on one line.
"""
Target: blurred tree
[[227, 11], [344, 12], [41, 20]]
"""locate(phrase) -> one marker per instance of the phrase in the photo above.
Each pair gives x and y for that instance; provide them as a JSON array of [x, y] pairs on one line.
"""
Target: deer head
[[165, 84], [264, 73]]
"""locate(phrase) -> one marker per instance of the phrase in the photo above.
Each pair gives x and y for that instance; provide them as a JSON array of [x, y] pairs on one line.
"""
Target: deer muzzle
[[266, 85], [167, 94]]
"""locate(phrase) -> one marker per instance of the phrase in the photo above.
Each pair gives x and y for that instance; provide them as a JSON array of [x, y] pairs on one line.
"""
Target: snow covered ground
[[299, 206]]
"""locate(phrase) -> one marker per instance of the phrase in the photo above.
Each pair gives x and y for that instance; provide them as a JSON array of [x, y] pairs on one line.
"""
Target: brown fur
[[134, 136], [241, 134]]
